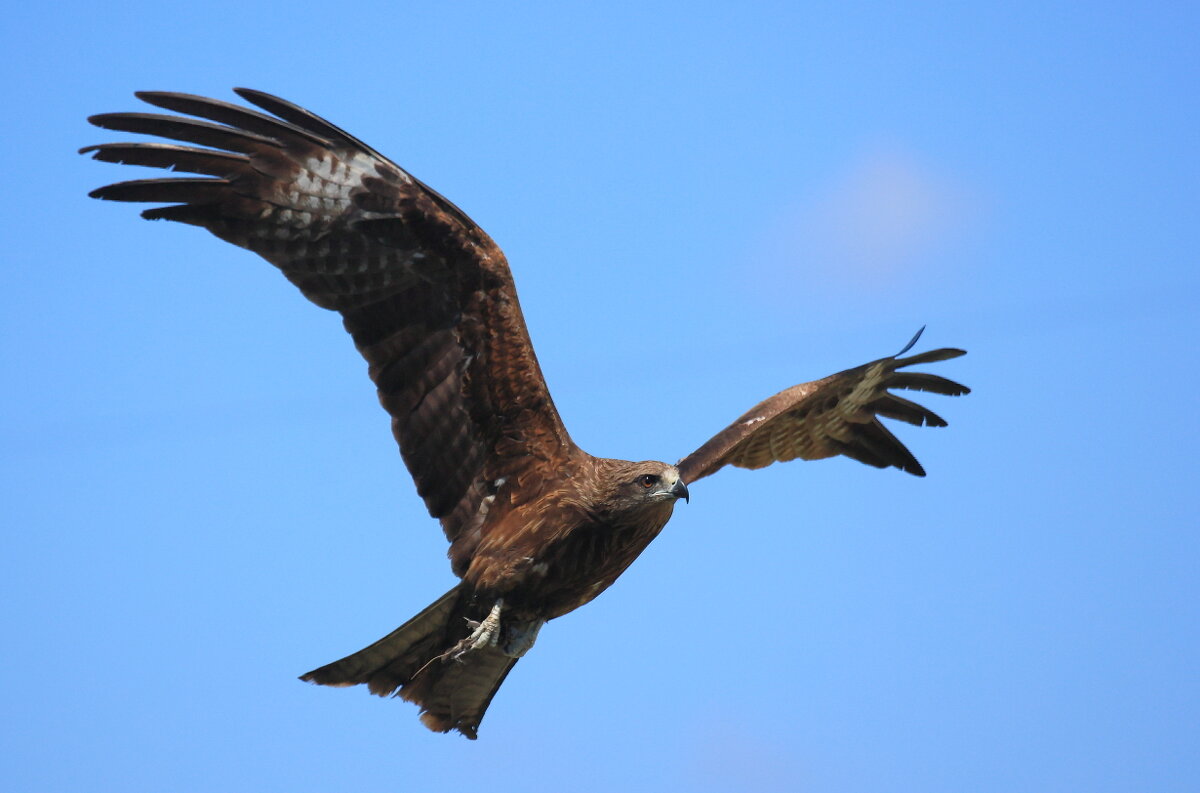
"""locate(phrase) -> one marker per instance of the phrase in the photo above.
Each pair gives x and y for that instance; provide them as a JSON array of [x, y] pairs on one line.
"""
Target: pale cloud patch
[[880, 220]]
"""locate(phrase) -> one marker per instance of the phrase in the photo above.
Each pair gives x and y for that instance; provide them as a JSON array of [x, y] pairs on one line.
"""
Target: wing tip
[[929, 356]]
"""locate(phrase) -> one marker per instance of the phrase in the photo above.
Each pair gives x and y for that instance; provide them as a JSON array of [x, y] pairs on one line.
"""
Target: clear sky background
[[702, 204]]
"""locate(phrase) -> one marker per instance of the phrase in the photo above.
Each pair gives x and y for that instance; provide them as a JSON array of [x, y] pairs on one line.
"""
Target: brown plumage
[[537, 527]]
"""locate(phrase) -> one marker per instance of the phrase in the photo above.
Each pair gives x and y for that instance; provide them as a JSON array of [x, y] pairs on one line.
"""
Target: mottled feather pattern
[[425, 293], [835, 415]]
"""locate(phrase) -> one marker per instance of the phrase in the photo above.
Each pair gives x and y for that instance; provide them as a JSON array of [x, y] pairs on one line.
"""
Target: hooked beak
[[680, 490]]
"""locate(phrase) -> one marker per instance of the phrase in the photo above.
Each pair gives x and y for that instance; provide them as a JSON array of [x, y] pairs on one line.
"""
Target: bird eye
[[647, 480]]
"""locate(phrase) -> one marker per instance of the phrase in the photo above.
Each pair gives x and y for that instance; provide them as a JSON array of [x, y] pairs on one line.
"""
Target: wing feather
[[231, 115], [897, 407], [185, 129], [835, 415], [165, 155], [425, 294], [920, 381]]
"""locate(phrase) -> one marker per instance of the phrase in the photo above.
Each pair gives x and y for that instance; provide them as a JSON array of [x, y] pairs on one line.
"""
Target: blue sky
[[202, 499]]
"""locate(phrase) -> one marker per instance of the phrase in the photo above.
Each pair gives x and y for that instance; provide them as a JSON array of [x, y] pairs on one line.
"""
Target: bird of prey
[[537, 526]]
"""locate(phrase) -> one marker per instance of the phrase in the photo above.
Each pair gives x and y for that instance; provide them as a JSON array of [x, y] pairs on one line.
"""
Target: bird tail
[[453, 694]]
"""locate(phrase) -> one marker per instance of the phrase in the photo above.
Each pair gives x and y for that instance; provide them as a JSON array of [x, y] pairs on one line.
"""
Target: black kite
[[537, 526]]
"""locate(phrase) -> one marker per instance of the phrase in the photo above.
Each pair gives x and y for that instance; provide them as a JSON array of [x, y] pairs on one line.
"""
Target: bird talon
[[483, 634]]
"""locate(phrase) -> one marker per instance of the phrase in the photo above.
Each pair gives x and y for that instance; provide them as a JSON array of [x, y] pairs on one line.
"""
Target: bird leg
[[485, 634], [521, 636]]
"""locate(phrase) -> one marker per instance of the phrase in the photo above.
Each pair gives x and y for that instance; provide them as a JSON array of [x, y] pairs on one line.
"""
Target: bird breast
[[580, 563]]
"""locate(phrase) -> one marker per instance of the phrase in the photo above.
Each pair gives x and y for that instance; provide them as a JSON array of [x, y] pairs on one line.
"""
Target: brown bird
[[537, 527]]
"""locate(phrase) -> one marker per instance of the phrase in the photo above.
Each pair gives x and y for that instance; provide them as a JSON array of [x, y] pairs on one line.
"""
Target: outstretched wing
[[838, 414], [424, 292]]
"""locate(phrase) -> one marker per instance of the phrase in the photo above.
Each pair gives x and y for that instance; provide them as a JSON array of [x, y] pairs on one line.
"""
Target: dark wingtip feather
[[235, 116], [922, 381], [204, 133], [292, 112], [304, 119], [873, 444], [172, 157], [932, 356], [194, 214], [157, 97], [896, 407], [164, 190]]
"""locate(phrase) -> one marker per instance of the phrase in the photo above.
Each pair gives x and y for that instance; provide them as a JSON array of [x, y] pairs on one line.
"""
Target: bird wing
[[426, 295], [835, 415]]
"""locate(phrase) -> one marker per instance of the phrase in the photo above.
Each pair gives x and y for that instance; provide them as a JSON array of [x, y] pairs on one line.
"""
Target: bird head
[[650, 483]]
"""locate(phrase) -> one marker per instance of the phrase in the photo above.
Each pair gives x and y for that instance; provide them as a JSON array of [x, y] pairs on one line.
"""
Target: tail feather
[[452, 694], [393, 660], [455, 695]]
